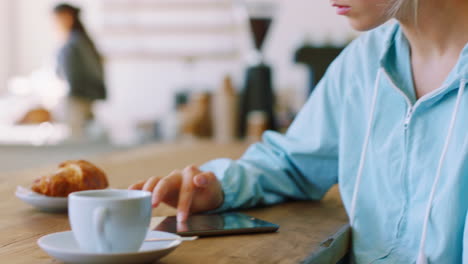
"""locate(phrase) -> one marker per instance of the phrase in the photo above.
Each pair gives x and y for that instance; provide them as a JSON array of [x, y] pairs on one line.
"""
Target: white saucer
[[63, 247], [42, 202]]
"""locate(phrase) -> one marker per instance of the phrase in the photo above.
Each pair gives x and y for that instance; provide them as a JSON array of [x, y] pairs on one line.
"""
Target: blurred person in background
[[80, 65]]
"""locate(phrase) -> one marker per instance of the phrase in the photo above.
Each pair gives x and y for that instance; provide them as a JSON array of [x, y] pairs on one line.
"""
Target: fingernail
[[181, 216], [202, 181], [155, 202]]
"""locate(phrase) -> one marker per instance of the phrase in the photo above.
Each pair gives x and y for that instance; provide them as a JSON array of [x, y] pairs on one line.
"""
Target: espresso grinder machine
[[257, 96]]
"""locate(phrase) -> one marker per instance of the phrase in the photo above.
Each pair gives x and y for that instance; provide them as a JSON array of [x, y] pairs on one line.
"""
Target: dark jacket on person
[[80, 65]]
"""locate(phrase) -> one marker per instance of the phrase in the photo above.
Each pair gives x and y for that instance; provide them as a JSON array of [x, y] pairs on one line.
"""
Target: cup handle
[[99, 218]]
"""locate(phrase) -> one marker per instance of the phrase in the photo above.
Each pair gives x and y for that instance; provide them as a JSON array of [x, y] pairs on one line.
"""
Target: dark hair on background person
[[74, 12]]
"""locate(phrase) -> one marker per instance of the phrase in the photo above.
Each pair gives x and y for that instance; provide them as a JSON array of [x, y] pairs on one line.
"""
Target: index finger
[[187, 190], [137, 186]]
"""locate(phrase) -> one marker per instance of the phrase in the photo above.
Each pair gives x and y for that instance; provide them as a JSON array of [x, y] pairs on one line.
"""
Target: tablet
[[216, 225]]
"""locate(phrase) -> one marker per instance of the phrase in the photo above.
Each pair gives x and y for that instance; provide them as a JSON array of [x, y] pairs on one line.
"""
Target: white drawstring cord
[[362, 161], [422, 259]]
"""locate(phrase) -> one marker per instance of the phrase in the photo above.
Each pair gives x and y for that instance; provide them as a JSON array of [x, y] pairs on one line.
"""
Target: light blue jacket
[[401, 163]]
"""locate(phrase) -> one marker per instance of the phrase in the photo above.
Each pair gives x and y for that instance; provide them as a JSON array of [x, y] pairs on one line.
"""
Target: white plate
[[42, 202], [63, 247]]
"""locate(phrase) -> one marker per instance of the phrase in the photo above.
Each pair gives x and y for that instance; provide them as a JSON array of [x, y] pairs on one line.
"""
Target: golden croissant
[[71, 176]]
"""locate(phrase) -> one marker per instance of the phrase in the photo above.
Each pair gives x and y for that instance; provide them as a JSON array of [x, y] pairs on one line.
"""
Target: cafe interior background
[[176, 71]]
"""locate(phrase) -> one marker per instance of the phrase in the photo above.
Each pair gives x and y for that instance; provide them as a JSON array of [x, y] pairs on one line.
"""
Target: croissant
[[71, 176]]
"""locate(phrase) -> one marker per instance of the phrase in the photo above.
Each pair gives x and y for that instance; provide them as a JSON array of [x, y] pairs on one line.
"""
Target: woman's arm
[[303, 164]]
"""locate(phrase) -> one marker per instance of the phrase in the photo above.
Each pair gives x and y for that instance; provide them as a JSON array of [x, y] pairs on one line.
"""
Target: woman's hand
[[189, 190]]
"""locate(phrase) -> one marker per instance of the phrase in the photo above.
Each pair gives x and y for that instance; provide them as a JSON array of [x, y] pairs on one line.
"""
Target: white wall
[[5, 40], [35, 44]]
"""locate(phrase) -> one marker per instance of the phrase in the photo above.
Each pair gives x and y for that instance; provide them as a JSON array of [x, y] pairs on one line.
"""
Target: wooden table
[[303, 224]]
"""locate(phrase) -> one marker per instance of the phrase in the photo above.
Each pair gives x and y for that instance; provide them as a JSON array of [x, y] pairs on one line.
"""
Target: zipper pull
[[408, 117]]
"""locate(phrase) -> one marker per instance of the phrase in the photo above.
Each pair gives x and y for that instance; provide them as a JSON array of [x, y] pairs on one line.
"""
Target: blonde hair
[[404, 9]]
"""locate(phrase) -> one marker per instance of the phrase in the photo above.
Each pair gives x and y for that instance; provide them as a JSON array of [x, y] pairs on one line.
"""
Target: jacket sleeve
[[300, 165]]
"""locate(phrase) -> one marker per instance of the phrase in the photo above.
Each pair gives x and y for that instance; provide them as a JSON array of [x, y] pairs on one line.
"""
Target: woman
[[80, 64], [388, 123]]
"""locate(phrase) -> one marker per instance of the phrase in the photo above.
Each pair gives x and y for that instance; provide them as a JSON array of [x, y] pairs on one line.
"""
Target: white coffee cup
[[109, 221]]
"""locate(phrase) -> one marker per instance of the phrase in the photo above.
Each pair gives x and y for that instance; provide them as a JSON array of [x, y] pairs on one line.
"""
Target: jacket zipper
[[406, 124], [408, 118]]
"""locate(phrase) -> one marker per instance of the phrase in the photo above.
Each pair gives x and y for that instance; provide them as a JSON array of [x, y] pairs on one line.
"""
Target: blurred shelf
[[160, 56], [202, 36], [112, 5], [168, 30]]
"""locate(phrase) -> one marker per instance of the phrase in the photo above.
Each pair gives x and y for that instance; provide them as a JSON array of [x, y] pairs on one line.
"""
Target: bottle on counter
[[225, 112]]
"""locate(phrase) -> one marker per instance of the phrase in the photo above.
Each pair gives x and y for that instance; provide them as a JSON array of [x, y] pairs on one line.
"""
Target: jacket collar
[[395, 60]]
